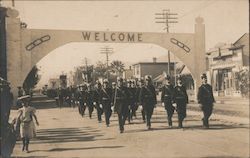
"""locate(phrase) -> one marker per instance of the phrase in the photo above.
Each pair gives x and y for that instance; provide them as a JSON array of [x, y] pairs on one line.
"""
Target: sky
[[225, 21]]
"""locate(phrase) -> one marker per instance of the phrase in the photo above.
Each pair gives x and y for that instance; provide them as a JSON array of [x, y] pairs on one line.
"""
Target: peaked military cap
[[203, 76], [119, 79], [148, 78], [105, 81]]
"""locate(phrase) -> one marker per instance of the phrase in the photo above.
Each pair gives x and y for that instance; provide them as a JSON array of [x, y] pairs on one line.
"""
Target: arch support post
[[199, 57], [13, 39]]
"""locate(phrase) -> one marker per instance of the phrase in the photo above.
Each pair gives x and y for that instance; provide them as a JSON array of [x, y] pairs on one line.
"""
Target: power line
[[167, 18], [107, 51]]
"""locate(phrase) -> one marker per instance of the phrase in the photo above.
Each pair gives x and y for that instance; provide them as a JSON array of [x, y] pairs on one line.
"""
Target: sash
[[149, 91], [106, 93], [167, 89], [205, 88]]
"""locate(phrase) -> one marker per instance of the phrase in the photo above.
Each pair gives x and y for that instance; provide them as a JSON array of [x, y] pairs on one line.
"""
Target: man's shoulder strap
[[205, 88]]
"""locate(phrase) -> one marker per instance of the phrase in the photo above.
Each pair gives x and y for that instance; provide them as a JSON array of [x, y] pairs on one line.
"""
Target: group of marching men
[[125, 100]]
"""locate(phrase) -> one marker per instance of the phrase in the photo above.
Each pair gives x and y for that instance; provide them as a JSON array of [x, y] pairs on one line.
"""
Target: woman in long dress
[[27, 129]]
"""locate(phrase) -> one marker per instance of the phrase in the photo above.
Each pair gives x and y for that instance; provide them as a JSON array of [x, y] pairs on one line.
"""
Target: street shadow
[[156, 120], [221, 157], [152, 129], [85, 148], [72, 149], [28, 156], [215, 127], [63, 135]]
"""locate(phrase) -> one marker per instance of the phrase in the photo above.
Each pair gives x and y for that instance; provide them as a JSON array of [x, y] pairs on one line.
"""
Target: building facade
[[153, 69], [225, 61], [54, 83]]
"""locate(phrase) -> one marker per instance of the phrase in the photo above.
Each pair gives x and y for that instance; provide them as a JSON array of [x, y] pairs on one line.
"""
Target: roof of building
[[223, 46], [245, 34], [153, 63]]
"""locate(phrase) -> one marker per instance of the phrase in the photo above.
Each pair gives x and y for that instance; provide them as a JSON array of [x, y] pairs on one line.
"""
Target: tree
[[31, 80], [243, 77], [117, 67], [100, 70]]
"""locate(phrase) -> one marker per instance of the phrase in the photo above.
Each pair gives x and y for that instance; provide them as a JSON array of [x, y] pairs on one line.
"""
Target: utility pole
[[107, 50], [166, 17], [86, 69], [13, 3]]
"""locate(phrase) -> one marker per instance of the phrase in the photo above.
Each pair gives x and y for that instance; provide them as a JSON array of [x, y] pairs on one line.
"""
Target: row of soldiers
[[125, 100]]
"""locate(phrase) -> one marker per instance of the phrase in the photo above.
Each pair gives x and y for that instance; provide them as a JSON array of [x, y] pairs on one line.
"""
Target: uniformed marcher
[[106, 101], [206, 99], [79, 99], [181, 99], [113, 93], [60, 97], [134, 100], [148, 99], [139, 86], [131, 100], [90, 100], [96, 100], [167, 99], [85, 98], [121, 103]]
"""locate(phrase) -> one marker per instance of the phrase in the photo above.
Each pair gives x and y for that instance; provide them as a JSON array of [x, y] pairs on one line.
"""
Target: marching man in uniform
[[167, 99], [139, 86], [106, 100], [206, 99], [131, 100], [181, 100], [121, 103], [96, 101], [148, 99]]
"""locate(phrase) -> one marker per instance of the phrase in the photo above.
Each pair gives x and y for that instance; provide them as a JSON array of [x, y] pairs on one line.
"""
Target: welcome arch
[[25, 47]]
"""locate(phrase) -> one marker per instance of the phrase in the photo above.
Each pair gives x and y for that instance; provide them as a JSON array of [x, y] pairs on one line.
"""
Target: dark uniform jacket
[[180, 95], [148, 96], [121, 99], [96, 95], [85, 96], [205, 94], [90, 97], [132, 95], [106, 97], [167, 94], [137, 94], [78, 95]]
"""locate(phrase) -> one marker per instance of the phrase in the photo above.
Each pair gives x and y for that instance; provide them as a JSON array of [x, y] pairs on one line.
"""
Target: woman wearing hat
[[181, 99], [26, 114]]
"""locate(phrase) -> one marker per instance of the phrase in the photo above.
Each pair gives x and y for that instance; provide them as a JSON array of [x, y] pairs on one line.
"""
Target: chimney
[[154, 59]]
